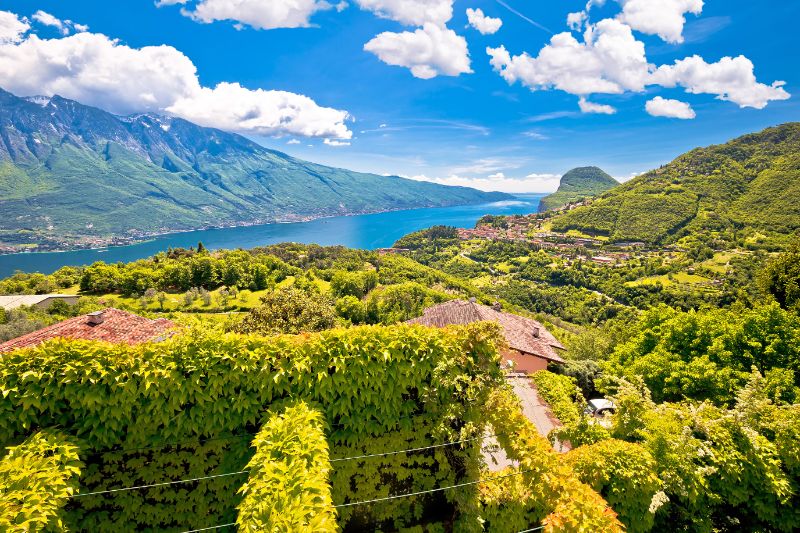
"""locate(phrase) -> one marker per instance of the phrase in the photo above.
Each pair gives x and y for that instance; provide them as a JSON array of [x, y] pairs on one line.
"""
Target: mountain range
[[578, 184], [72, 174], [746, 191]]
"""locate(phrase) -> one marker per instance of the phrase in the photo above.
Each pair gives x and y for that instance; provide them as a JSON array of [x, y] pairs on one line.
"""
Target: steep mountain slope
[[745, 192], [70, 172], [578, 184]]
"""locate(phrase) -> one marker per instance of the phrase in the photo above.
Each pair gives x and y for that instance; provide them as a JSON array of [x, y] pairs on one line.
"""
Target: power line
[[165, 483], [242, 472], [408, 450], [210, 528], [440, 489]]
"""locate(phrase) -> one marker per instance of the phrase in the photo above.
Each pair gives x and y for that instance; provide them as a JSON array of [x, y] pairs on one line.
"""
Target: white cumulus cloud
[[229, 106], [99, 71], [664, 107], [64, 26], [260, 14], [731, 79], [42, 17], [575, 21], [608, 60], [591, 107], [411, 12], [664, 18], [12, 28], [428, 52], [484, 24]]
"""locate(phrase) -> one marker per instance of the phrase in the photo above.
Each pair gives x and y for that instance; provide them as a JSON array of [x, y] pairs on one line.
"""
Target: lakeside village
[[531, 229]]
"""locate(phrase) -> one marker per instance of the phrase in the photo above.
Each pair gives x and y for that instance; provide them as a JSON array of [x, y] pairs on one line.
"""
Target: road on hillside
[[535, 409]]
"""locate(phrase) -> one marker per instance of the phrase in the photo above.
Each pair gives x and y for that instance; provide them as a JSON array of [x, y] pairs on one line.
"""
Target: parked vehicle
[[600, 407]]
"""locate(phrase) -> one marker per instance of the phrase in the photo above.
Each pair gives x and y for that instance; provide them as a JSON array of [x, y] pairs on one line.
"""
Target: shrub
[[625, 475], [289, 310]]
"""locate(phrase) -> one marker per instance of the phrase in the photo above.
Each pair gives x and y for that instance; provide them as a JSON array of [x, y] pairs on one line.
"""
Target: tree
[[352, 309], [162, 298], [781, 278], [357, 284], [289, 310]]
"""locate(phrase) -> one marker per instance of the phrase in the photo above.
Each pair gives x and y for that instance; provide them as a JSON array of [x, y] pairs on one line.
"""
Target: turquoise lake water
[[369, 232]]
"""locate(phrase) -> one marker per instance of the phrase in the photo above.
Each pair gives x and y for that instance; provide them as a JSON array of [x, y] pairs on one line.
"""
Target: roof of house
[[518, 331], [13, 301], [117, 326]]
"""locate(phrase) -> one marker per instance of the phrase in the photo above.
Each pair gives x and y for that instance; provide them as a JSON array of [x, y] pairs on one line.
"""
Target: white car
[[600, 407]]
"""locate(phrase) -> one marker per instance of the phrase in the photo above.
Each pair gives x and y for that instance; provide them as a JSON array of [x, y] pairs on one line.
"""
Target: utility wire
[[440, 489], [165, 483], [384, 454], [210, 528], [408, 496], [242, 472]]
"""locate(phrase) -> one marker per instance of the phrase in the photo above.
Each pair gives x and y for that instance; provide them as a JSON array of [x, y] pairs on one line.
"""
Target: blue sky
[[464, 119]]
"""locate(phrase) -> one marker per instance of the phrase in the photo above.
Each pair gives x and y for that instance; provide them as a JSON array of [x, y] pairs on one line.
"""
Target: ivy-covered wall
[[36, 479], [189, 407]]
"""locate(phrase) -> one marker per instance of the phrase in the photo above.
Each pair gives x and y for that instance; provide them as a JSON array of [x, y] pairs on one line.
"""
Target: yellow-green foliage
[[548, 491], [382, 388], [288, 490], [624, 474], [565, 399], [36, 479], [560, 392]]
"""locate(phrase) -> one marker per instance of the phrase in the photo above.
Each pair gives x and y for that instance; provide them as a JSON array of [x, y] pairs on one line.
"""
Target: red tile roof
[[519, 331], [117, 327]]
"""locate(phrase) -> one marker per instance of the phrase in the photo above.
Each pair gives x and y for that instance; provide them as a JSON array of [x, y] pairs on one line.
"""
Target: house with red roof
[[530, 346], [110, 325]]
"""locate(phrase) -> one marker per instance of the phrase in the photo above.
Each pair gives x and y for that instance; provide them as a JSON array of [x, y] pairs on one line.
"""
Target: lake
[[379, 230]]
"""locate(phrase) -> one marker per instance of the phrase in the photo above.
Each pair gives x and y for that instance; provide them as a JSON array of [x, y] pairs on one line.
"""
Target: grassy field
[[720, 262], [679, 278]]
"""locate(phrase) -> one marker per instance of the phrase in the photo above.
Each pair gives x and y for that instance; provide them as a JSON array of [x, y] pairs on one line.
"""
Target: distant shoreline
[[145, 237]]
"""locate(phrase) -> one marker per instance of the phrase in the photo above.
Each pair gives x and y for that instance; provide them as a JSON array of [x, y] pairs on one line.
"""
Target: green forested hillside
[[578, 184], [745, 192], [70, 172]]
